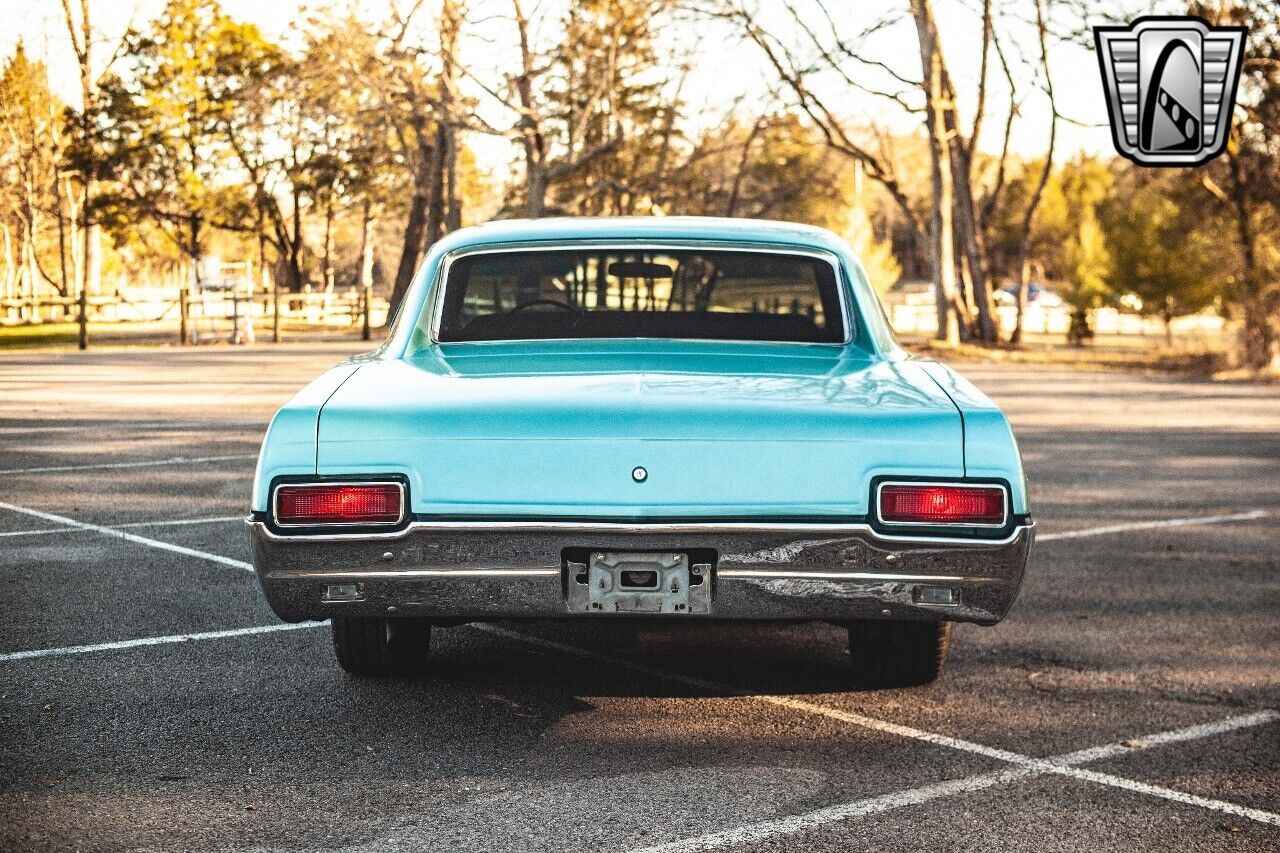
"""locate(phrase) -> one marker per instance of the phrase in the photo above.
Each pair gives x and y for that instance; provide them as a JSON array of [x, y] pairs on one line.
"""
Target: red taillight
[[351, 503], [936, 504]]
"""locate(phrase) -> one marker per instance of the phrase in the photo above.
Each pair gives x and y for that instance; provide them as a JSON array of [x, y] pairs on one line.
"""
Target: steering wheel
[[550, 303]]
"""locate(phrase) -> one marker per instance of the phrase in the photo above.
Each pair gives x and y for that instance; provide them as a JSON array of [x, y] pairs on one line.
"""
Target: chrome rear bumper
[[478, 570]]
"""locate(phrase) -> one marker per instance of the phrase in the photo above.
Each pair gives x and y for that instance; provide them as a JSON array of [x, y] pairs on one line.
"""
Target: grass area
[[62, 335], [140, 334], [1204, 362], [1143, 356]]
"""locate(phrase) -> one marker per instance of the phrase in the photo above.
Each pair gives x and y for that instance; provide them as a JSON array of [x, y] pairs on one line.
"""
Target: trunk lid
[[556, 428]]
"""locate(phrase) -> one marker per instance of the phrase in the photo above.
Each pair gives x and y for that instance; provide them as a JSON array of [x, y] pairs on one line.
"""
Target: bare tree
[[424, 124], [416, 139], [954, 226], [993, 192], [735, 192], [796, 73], [452, 16], [532, 138], [1028, 216], [81, 35], [941, 234], [31, 141], [1252, 179], [945, 132], [576, 123]]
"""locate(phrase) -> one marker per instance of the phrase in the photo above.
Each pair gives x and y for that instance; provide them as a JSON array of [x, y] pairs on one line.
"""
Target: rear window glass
[[621, 293]]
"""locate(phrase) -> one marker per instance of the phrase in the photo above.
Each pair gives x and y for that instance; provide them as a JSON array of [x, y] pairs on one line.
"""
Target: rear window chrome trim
[[436, 296], [1004, 519], [275, 504]]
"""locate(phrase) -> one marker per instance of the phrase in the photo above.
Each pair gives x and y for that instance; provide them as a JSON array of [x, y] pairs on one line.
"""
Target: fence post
[[82, 318], [235, 317], [182, 316]]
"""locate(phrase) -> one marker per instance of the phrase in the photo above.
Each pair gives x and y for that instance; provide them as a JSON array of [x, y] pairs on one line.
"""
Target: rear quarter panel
[[990, 449], [289, 446]]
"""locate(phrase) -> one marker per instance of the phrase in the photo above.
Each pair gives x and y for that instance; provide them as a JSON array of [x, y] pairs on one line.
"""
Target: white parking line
[[1251, 515], [130, 537], [765, 829], [151, 463], [135, 426], [1025, 762], [175, 522], [155, 641], [1026, 765], [181, 522], [1111, 750], [1233, 809]]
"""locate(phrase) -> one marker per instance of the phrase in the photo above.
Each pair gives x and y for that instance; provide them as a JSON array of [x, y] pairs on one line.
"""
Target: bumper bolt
[[387, 557]]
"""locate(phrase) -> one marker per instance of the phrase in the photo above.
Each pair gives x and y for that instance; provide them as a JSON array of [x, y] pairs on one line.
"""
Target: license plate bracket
[[639, 582]]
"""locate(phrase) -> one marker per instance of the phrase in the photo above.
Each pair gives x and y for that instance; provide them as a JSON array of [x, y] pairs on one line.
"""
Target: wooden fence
[[920, 317], [234, 315]]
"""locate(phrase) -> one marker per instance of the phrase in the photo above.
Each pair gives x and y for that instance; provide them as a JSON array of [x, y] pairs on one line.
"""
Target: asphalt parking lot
[[150, 700]]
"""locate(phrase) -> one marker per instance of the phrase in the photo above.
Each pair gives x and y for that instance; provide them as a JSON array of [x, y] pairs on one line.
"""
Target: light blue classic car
[[659, 418]]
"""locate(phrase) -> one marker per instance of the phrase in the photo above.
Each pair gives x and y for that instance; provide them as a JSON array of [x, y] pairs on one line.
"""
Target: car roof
[[676, 228]]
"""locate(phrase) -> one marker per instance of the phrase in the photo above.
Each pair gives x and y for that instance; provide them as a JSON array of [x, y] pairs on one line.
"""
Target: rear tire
[[897, 653], [377, 647]]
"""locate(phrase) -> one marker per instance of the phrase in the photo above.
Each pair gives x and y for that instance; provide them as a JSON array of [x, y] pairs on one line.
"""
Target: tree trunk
[[74, 242], [941, 245], [266, 283], [970, 242], [436, 203], [366, 271], [62, 234], [944, 131], [1257, 336], [366, 245], [11, 284], [1028, 217], [82, 42], [1079, 332], [1020, 295], [416, 225], [735, 188], [328, 244], [535, 190], [194, 248], [295, 248], [90, 261], [964, 283], [29, 261], [452, 15], [453, 195], [535, 155]]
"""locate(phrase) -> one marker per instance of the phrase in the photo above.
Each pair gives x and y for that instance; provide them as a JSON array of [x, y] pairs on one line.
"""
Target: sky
[[724, 69]]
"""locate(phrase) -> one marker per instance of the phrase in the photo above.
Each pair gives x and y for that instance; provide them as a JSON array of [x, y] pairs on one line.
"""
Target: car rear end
[[481, 471]]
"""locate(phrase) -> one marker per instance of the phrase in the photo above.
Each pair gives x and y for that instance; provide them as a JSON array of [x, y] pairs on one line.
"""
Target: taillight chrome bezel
[[401, 517], [948, 484]]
